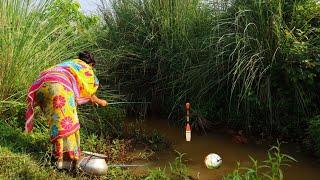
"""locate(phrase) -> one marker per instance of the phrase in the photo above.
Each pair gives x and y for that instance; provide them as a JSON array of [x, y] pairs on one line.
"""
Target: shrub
[[268, 169], [314, 132], [247, 61]]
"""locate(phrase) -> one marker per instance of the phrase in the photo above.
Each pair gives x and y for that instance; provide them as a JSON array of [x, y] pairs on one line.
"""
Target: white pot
[[94, 164]]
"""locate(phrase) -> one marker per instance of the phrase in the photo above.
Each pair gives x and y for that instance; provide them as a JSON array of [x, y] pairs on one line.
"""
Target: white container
[[94, 164]]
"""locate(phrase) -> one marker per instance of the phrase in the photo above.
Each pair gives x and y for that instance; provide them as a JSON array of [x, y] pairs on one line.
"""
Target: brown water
[[220, 143]]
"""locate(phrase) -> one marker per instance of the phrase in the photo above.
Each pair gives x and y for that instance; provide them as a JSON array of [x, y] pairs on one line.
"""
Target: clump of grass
[[312, 140], [102, 121], [157, 141], [16, 141], [94, 143], [25, 156], [227, 58], [157, 174], [178, 169], [23, 166], [32, 38], [119, 173], [154, 140], [148, 43], [268, 169]]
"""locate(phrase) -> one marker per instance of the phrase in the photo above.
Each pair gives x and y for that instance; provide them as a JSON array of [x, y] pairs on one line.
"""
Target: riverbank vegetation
[[251, 65], [246, 64], [271, 168]]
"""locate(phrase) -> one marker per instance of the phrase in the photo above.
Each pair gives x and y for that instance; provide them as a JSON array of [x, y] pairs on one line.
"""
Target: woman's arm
[[96, 100]]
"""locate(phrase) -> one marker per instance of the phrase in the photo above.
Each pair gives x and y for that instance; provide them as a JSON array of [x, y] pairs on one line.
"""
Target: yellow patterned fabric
[[75, 75], [68, 147], [87, 83], [58, 105]]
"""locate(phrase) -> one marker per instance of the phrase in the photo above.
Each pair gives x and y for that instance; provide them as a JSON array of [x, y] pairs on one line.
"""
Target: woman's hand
[[96, 100], [103, 102]]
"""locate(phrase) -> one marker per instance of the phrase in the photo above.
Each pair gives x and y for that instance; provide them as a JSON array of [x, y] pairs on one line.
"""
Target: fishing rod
[[113, 103], [96, 163], [126, 165]]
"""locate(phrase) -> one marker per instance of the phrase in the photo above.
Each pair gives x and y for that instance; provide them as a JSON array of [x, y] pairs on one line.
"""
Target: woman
[[58, 90]]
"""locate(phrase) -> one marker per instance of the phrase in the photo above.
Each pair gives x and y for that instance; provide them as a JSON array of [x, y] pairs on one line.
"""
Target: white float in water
[[212, 161]]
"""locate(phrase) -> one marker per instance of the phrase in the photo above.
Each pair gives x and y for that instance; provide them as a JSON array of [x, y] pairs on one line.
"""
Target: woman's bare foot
[[61, 164]]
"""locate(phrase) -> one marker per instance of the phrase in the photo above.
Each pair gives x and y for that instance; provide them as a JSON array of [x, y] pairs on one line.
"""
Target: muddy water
[[220, 143]]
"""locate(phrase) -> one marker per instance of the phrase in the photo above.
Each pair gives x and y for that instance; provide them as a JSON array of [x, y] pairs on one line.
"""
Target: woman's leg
[[67, 151], [59, 106]]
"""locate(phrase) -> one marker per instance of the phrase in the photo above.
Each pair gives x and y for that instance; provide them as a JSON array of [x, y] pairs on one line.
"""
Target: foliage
[[74, 21], [23, 166], [252, 64], [268, 169], [157, 141], [102, 121], [147, 43], [93, 143], [157, 174], [178, 169], [25, 156], [33, 36], [69, 13], [154, 140], [119, 173], [314, 131]]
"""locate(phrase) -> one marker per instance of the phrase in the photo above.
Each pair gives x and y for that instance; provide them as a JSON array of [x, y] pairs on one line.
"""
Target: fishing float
[[188, 128]]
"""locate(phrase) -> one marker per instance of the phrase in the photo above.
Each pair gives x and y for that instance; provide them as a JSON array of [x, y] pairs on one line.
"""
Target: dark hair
[[87, 57]]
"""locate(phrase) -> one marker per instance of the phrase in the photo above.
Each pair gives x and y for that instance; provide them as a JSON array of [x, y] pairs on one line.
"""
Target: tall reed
[[232, 59], [152, 44], [30, 41]]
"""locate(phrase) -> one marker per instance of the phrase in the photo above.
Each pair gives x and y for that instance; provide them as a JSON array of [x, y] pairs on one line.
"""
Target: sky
[[89, 6]]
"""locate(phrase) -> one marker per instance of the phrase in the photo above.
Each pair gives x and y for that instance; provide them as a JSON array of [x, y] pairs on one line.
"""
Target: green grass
[[176, 169], [28, 156], [155, 174], [244, 64], [25, 156], [271, 168], [23, 166], [32, 38], [312, 141]]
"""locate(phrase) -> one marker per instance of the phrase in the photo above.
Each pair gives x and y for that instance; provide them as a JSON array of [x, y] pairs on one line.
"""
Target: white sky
[[89, 6]]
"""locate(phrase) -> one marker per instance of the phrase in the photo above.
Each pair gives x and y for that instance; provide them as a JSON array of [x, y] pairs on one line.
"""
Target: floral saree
[[57, 91]]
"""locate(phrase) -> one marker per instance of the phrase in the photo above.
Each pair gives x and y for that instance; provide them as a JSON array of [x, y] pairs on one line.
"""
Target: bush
[[157, 174], [177, 170], [15, 140], [102, 121], [314, 132], [252, 62], [268, 169], [35, 36], [23, 166]]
